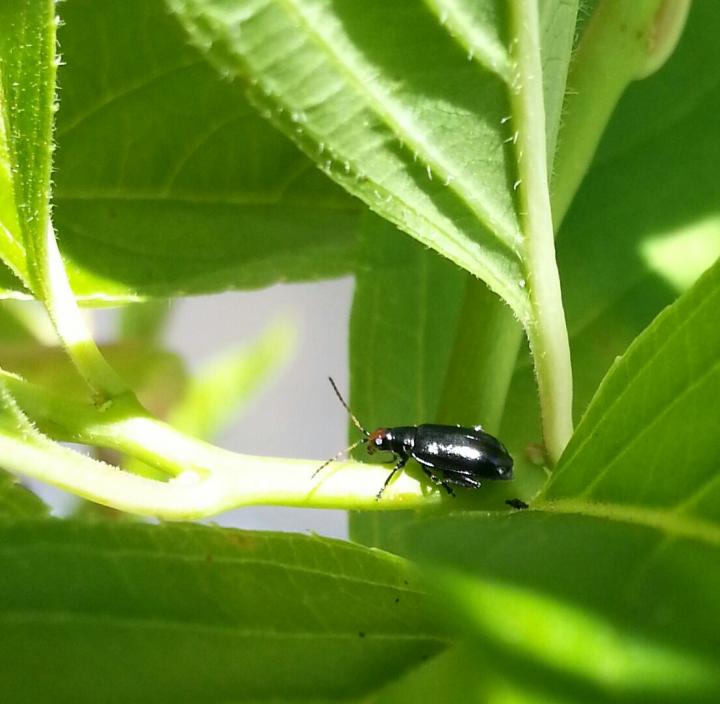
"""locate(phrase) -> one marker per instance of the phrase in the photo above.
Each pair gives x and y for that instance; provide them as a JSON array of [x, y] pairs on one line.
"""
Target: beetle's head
[[379, 440]]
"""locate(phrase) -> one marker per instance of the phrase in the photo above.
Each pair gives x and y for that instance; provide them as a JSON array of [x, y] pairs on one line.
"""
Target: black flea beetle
[[448, 454]]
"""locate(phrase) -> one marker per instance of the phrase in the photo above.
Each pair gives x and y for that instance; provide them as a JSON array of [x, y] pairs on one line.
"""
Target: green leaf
[[157, 376], [167, 181], [459, 675], [482, 362], [25, 321], [649, 438], [11, 287], [426, 340], [466, 675], [391, 121], [558, 27], [580, 606], [16, 500], [159, 154], [449, 677], [652, 186], [178, 612], [405, 314], [11, 245], [27, 85], [611, 581], [645, 223], [621, 43], [408, 336]]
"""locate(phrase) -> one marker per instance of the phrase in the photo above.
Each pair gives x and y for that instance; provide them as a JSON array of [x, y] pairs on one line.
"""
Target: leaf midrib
[[391, 114], [132, 622], [249, 199], [239, 562], [667, 521], [492, 56]]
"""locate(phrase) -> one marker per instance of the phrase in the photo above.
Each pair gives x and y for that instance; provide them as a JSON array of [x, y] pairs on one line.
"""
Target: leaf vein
[[677, 525], [650, 424], [395, 116], [42, 616], [121, 93], [619, 397]]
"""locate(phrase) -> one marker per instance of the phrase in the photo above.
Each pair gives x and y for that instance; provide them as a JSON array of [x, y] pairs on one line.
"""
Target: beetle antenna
[[337, 457], [358, 425]]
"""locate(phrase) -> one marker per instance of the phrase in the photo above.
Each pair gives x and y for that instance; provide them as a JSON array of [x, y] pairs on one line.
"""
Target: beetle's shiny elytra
[[448, 454]]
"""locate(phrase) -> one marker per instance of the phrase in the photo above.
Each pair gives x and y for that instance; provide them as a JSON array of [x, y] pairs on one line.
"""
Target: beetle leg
[[428, 469], [398, 466], [437, 481]]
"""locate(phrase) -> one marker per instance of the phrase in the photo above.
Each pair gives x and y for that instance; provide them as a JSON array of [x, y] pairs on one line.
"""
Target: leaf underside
[[388, 119]]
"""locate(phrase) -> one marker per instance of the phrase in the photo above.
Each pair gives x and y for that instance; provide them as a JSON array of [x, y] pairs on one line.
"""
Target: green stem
[[37, 23], [70, 326], [547, 331], [235, 481], [206, 479], [624, 41]]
